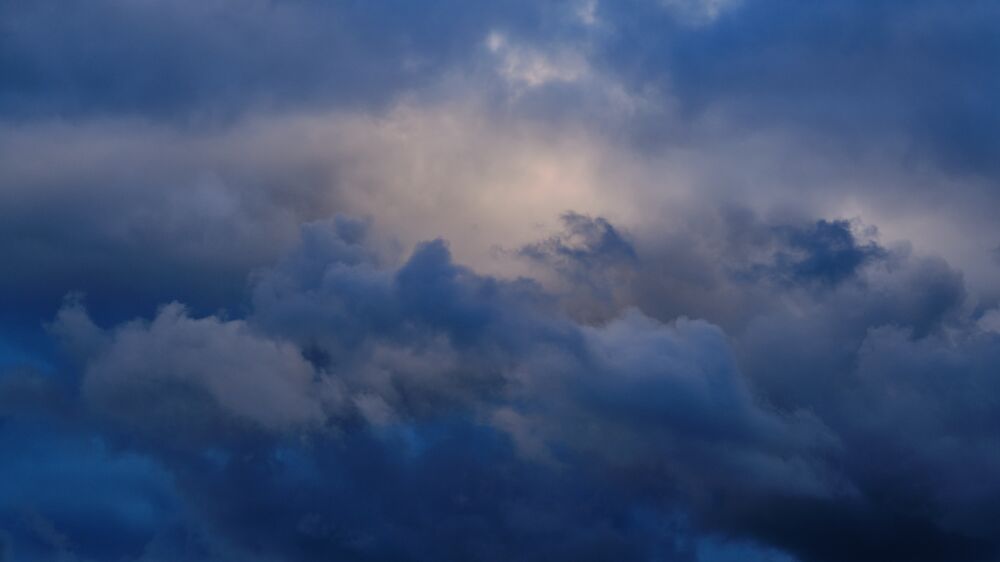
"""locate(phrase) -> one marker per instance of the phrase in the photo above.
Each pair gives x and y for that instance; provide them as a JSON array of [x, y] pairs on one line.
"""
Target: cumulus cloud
[[351, 376], [179, 370], [342, 350]]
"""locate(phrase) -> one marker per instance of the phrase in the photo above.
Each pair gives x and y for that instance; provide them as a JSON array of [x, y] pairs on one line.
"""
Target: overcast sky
[[651, 280]]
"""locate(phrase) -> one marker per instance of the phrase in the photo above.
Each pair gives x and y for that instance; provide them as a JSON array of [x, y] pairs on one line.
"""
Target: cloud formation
[[576, 280], [341, 355], [428, 366]]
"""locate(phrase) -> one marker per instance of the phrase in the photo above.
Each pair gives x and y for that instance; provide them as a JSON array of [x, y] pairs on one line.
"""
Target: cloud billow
[[370, 411], [483, 371], [644, 280]]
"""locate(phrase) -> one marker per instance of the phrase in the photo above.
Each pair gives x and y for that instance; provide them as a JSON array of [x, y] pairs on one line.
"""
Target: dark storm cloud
[[735, 264], [826, 252], [880, 351], [431, 378], [422, 411], [911, 414], [66, 496]]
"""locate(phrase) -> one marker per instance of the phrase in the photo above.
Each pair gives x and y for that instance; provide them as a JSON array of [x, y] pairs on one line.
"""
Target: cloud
[[69, 496], [208, 375], [360, 401], [826, 252], [198, 62], [614, 291], [911, 416], [343, 358]]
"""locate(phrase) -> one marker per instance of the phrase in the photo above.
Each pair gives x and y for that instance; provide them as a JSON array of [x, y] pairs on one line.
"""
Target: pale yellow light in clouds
[[452, 170], [480, 183]]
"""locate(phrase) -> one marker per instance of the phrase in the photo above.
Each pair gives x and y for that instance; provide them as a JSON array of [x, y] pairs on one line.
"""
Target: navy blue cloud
[[827, 252], [365, 411], [474, 420], [68, 494], [843, 305]]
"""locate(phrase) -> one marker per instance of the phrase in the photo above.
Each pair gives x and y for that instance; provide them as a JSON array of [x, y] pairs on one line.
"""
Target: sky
[[568, 280]]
